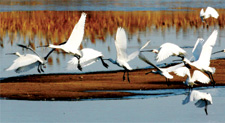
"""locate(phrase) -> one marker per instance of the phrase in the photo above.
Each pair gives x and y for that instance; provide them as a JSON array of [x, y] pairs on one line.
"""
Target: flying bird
[[122, 57], [162, 71], [192, 76], [89, 57], [27, 62], [203, 62], [74, 41], [166, 50], [201, 51], [209, 12], [203, 99]]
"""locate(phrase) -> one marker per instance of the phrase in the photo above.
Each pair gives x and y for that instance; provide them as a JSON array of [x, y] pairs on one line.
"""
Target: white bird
[[26, 62], [162, 71], [122, 57], [74, 41], [192, 76], [209, 12], [89, 57], [166, 50], [219, 51], [203, 61], [203, 99], [202, 53]]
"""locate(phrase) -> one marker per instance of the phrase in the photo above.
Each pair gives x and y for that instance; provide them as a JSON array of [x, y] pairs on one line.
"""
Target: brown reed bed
[[56, 26]]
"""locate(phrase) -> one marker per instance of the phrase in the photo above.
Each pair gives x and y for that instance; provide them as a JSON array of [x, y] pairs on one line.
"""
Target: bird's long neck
[[55, 46], [113, 61]]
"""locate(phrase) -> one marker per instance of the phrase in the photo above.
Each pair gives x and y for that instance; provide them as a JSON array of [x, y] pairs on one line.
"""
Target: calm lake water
[[161, 109], [149, 109]]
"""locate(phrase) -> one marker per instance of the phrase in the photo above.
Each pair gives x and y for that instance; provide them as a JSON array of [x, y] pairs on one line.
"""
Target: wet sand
[[93, 85]]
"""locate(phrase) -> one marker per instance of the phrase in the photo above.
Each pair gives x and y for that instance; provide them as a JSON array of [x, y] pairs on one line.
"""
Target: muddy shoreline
[[93, 85]]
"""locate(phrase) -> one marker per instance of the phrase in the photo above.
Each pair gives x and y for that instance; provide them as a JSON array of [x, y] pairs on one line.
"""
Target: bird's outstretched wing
[[200, 77], [168, 49], [26, 67], [198, 48], [121, 44], [211, 12], [89, 57], [77, 34], [204, 58], [182, 71], [23, 61], [174, 67]]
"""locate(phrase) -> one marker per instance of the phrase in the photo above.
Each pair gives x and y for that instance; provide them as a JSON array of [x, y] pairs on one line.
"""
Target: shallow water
[[156, 109]]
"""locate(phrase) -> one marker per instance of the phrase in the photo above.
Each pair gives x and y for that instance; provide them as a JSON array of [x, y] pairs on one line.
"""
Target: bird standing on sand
[[203, 99], [122, 57]]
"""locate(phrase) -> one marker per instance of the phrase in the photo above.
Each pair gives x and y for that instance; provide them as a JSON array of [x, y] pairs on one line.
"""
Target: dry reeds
[[56, 26]]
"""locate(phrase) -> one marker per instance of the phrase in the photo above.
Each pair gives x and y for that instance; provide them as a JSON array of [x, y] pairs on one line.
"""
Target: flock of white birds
[[196, 70]]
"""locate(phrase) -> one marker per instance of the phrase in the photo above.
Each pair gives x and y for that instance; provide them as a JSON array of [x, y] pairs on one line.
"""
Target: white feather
[[89, 56], [23, 61], [168, 49], [75, 39]]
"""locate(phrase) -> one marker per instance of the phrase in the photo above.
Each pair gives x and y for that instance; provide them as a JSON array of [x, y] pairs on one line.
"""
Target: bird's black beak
[[188, 66], [217, 52], [146, 50], [10, 53]]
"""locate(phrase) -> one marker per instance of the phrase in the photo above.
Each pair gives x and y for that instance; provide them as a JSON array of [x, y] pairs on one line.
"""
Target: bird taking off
[[121, 48], [203, 99], [27, 62], [74, 41], [209, 12], [89, 57], [162, 71]]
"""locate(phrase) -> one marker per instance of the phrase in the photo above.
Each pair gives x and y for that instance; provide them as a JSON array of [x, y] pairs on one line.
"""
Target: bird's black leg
[[147, 73], [38, 69], [213, 81], [211, 78], [168, 82], [124, 75], [78, 65], [206, 104], [41, 69], [103, 63], [128, 76]]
